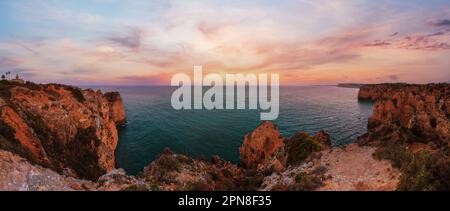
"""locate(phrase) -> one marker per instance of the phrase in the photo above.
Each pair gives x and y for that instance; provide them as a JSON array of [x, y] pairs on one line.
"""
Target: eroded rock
[[408, 113], [263, 148], [60, 127]]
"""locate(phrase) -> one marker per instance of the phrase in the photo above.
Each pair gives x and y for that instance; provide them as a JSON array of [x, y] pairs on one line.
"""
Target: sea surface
[[154, 125]]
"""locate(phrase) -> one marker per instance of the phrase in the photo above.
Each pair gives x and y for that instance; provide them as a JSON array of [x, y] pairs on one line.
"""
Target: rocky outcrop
[[266, 150], [350, 168], [263, 149], [305, 166], [408, 113], [71, 134], [117, 108], [64, 128], [324, 140], [179, 172], [17, 174], [410, 126]]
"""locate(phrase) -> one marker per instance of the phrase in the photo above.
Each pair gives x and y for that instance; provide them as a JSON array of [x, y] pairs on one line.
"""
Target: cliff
[[410, 126], [408, 113], [64, 128], [117, 108], [263, 149], [350, 85], [71, 133], [305, 166]]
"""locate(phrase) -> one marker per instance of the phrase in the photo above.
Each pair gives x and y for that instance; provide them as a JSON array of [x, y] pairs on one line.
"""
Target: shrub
[[154, 187], [198, 186], [136, 188], [5, 88], [76, 93], [394, 152], [300, 147], [306, 182], [251, 183], [168, 163], [300, 177], [426, 172]]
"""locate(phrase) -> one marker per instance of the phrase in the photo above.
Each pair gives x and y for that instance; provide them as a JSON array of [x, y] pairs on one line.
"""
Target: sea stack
[[117, 108]]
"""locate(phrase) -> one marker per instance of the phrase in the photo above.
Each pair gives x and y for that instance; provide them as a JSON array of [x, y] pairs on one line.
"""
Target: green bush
[[306, 182], [394, 152], [426, 172], [299, 148], [300, 177], [168, 163]]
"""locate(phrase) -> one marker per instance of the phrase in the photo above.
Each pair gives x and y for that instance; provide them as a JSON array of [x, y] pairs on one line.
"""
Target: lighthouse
[[18, 80]]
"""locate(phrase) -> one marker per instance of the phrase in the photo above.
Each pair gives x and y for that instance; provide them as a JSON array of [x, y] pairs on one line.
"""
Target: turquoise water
[[153, 125]]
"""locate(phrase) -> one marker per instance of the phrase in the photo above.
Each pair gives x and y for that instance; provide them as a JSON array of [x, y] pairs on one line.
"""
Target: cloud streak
[[440, 22], [132, 40]]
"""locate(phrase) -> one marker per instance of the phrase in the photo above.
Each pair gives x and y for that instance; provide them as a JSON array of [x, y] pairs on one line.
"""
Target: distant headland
[[350, 85]]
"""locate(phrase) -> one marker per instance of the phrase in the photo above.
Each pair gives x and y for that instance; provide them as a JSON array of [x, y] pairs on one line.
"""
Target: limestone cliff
[[263, 148], [117, 108], [408, 113], [61, 127], [73, 132], [305, 166], [410, 126]]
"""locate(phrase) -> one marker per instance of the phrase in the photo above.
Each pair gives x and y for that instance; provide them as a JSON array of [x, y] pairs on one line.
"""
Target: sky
[[146, 42]]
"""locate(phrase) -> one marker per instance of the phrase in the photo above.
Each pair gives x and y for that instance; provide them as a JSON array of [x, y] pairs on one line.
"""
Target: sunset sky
[[145, 42]]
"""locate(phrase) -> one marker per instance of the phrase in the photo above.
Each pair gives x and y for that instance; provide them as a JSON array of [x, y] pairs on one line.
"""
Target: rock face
[[17, 174], [266, 150], [263, 148], [408, 113], [304, 166], [61, 127], [324, 139], [171, 172], [72, 135], [117, 108]]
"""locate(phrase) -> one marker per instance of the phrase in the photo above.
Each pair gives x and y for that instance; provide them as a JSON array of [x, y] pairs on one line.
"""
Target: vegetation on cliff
[[411, 128], [73, 131], [300, 147], [60, 127]]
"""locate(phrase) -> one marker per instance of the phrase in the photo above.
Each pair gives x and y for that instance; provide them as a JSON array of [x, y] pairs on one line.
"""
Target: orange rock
[[117, 107], [324, 139], [62, 127], [411, 113], [263, 147]]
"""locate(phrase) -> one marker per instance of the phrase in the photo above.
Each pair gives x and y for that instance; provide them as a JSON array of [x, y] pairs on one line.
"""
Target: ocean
[[154, 125]]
